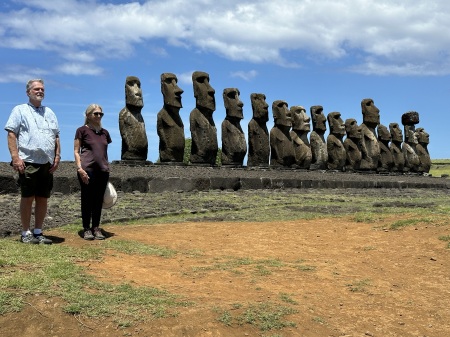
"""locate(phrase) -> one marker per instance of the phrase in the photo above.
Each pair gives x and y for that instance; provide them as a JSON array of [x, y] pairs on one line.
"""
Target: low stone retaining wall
[[155, 178]]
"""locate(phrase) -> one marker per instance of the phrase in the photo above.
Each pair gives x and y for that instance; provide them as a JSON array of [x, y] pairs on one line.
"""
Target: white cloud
[[75, 68], [245, 75], [408, 37]]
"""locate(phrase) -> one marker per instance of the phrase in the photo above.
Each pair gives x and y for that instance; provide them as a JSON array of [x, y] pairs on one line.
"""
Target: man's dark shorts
[[36, 180]]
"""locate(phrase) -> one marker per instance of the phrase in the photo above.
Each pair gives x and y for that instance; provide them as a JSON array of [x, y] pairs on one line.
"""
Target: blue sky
[[306, 52]]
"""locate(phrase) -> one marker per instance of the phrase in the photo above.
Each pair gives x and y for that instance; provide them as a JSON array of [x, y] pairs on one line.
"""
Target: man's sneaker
[[88, 235], [98, 234], [42, 239], [29, 238]]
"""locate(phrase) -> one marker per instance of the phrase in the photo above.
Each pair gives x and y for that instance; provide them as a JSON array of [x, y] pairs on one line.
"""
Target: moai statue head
[[337, 126], [133, 92], [300, 120], [281, 113], [170, 90], [352, 129], [422, 136], [203, 92], [409, 120], [318, 119], [260, 107], [371, 114], [410, 135], [383, 133], [233, 103], [396, 133]]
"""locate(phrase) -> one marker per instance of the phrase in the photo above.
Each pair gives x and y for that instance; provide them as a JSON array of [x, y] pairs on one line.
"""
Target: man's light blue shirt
[[36, 130]]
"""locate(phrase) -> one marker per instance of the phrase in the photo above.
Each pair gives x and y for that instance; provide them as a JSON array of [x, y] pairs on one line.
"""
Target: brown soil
[[346, 278]]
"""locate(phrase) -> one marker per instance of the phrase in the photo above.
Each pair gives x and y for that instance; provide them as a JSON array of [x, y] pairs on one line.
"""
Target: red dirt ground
[[346, 278]]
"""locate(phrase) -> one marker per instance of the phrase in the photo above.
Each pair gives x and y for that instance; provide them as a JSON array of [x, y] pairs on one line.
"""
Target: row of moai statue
[[367, 147]]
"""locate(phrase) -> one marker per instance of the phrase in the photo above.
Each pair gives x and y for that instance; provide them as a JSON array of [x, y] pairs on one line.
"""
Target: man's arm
[[17, 163], [57, 155]]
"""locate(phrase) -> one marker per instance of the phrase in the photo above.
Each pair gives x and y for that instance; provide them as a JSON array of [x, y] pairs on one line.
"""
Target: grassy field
[[440, 167], [58, 266]]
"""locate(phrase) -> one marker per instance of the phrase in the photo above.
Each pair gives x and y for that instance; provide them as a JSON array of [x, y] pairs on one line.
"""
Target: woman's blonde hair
[[90, 109]]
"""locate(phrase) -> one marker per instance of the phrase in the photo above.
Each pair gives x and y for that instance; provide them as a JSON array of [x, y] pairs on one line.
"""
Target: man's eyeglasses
[[98, 114]]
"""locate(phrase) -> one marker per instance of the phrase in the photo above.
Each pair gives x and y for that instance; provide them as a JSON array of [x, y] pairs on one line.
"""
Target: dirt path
[[343, 279]]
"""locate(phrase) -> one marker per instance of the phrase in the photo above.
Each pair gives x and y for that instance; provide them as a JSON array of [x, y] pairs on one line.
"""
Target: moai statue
[[299, 134], [352, 145], [317, 139], [204, 145], [335, 146], [386, 162], [412, 161], [282, 152], [234, 146], [258, 134], [396, 148], [131, 123], [423, 139], [370, 149], [169, 126]]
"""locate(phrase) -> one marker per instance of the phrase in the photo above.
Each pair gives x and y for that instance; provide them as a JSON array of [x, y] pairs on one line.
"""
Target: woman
[[91, 158]]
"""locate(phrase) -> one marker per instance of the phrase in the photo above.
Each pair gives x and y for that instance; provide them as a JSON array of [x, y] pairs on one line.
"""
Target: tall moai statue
[[234, 146], [169, 125], [386, 162], [317, 139], [258, 134], [352, 145], [423, 139], [299, 134], [282, 152], [335, 145], [370, 149], [131, 123], [396, 146], [204, 145], [412, 161]]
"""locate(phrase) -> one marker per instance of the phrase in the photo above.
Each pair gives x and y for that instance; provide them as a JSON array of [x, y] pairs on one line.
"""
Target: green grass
[[265, 316], [445, 238], [440, 167], [59, 275]]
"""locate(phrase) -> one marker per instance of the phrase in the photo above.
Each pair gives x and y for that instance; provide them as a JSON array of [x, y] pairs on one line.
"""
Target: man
[[33, 142]]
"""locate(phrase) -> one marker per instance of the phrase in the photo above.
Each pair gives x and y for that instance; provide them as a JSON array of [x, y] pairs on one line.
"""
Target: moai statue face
[[133, 92], [281, 113], [337, 126], [352, 129], [371, 114], [318, 118], [300, 120], [396, 132], [233, 103], [410, 135], [260, 107], [170, 90], [383, 133], [203, 92], [422, 136]]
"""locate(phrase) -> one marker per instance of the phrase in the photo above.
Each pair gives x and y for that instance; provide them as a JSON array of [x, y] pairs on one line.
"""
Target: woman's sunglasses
[[98, 114]]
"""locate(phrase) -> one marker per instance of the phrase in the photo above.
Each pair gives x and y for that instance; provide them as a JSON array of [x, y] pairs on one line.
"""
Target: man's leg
[[40, 211], [25, 212]]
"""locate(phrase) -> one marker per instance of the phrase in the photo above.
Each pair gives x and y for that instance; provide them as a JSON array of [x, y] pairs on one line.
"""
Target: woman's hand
[[84, 176]]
